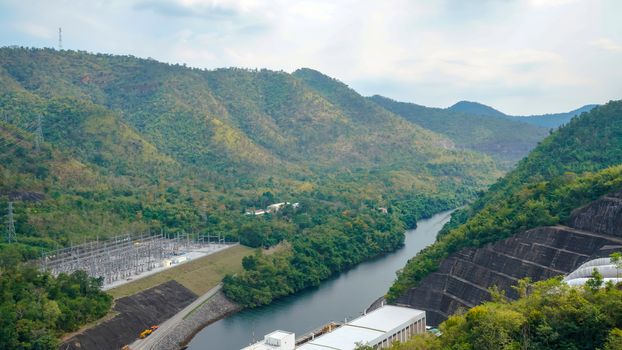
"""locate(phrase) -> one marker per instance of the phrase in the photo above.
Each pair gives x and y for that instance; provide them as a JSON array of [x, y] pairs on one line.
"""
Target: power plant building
[[378, 329]]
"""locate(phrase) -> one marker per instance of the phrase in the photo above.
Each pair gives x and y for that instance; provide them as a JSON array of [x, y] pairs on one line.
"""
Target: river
[[343, 296]]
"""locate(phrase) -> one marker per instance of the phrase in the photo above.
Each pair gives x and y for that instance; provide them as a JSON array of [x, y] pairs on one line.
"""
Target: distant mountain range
[[553, 120], [475, 126]]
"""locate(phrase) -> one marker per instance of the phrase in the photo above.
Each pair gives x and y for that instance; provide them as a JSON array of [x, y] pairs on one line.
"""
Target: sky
[[519, 56]]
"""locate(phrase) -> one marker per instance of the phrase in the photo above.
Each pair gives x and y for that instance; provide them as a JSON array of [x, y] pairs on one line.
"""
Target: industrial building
[[377, 329]]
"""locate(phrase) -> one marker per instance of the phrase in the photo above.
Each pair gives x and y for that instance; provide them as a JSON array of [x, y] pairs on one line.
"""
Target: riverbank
[[345, 295]]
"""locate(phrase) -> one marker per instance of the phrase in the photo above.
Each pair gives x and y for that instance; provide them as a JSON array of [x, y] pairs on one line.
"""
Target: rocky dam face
[[463, 278], [133, 314]]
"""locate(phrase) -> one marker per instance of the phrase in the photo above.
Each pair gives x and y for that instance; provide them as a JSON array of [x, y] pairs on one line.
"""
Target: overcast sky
[[522, 57]]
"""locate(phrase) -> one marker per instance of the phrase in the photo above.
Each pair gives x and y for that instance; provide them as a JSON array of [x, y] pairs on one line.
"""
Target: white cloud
[[34, 29], [550, 3], [607, 44]]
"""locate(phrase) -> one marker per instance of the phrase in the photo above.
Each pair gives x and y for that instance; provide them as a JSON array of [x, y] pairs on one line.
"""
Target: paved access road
[[151, 342]]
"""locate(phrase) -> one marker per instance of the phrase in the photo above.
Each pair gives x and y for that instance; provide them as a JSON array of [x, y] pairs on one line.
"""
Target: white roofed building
[[377, 329], [277, 340]]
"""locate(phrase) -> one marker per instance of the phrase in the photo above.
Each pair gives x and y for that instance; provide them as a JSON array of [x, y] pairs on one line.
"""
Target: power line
[[11, 236], [60, 38]]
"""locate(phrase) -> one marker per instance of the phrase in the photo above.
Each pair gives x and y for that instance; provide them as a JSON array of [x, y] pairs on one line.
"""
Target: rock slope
[[463, 279], [135, 313]]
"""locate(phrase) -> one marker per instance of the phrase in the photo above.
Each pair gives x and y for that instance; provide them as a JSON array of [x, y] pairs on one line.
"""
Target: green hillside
[[573, 166], [505, 140], [146, 144]]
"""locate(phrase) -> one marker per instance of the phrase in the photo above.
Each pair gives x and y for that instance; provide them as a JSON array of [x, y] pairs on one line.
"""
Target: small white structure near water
[[277, 340], [377, 329]]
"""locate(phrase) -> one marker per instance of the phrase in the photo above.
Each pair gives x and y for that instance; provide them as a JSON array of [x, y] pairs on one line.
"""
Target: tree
[[614, 340], [616, 259], [595, 282]]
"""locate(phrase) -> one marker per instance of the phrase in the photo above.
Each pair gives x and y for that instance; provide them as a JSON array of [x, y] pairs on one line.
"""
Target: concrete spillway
[[463, 279]]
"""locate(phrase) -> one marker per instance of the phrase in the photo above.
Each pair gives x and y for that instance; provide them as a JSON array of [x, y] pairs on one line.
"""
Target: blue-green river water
[[343, 296]]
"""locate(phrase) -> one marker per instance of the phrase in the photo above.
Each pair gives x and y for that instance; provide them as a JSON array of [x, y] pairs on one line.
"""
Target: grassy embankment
[[199, 275]]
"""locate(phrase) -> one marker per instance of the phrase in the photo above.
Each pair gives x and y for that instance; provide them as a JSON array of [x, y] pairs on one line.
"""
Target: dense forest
[[338, 242], [567, 170], [37, 308]]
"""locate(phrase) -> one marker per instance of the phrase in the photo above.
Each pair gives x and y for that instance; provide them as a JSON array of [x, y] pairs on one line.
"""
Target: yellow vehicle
[[144, 334]]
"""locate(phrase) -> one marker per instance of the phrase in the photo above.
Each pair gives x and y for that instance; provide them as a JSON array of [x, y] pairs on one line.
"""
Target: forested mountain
[[567, 170], [505, 140], [136, 143], [475, 108]]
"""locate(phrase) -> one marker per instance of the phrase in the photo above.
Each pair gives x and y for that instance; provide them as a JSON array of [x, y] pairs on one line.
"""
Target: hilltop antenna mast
[[38, 135], [11, 236], [60, 38]]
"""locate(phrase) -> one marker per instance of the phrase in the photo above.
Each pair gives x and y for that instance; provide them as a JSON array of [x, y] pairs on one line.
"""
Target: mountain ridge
[[548, 120], [505, 140]]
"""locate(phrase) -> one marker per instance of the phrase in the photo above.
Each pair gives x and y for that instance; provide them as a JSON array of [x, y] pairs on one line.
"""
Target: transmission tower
[[204, 212], [11, 236], [38, 135], [60, 38]]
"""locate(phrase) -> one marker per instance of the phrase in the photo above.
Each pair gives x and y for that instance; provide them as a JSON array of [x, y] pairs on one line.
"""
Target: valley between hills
[[94, 146]]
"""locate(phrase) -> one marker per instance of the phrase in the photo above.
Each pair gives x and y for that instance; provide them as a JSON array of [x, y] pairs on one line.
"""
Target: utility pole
[[11, 236], [38, 135], [60, 38]]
